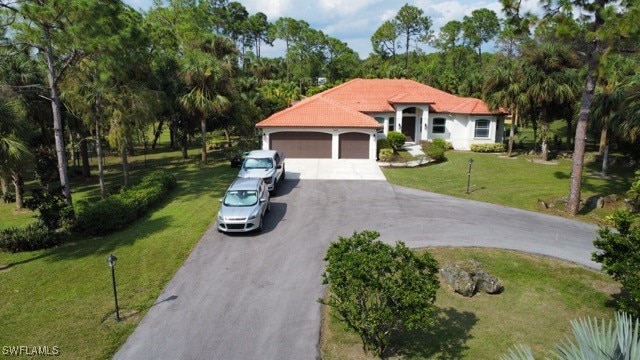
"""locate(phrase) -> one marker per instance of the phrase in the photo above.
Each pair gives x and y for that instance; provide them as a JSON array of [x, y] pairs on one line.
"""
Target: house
[[346, 121]]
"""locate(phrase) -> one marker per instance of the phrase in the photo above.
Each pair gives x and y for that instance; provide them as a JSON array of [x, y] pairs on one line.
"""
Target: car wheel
[[259, 228], [269, 206], [283, 172]]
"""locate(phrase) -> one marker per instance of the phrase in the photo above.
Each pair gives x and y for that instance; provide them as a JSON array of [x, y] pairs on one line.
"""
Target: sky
[[355, 21]]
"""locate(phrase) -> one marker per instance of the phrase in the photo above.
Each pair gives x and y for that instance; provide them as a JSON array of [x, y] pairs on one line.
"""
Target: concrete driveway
[[330, 169], [254, 296]]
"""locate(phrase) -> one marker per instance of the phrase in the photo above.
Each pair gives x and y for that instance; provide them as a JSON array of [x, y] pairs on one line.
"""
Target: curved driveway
[[254, 296]]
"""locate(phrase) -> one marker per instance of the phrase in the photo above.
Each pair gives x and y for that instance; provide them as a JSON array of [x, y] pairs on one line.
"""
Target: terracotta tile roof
[[345, 105], [319, 111]]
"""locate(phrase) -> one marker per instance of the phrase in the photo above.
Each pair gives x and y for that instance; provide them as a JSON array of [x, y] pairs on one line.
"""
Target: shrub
[[634, 192], [444, 144], [116, 211], [378, 289], [385, 155], [33, 237], [396, 140], [48, 198], [488, 148], [435, 153], [383, 144], [435, 149], [619, 254]]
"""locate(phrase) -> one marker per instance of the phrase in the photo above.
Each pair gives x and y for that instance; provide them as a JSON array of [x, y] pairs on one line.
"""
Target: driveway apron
[[254, 296]]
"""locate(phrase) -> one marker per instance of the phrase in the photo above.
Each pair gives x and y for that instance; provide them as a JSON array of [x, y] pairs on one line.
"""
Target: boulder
[[467, 278]]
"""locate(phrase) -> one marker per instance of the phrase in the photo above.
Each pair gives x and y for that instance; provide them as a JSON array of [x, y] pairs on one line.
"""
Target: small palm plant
[[593, 340]]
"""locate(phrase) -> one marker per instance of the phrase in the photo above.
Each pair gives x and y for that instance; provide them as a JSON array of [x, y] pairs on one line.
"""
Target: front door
[[409, 127]]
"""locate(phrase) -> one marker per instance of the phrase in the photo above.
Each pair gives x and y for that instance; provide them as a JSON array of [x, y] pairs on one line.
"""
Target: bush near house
[[116, 211], [385, 155], [435, 149], [396, 140], [488, 148]]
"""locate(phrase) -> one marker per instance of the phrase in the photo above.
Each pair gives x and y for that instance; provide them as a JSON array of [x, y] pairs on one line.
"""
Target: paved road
[[254, 296]]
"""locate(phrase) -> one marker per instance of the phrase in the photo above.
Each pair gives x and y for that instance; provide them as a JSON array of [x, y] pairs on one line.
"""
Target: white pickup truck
[[265, 164]]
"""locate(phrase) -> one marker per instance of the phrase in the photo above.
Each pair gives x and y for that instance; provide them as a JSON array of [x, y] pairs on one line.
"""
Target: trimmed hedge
[[113, 213], [488, 148], [35, 236]]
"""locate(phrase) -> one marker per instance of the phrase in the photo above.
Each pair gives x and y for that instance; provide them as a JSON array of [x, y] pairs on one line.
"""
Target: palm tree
[[550, 77], [14, 151], [607, 106], [503, 88], [628, 125], [206, 73]]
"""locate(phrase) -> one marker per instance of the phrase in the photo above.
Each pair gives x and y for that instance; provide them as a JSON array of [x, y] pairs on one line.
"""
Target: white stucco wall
[[459, 128]]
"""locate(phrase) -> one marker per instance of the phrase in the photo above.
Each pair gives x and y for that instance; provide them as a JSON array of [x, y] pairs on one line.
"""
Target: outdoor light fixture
[[469, 175], [111, 260]]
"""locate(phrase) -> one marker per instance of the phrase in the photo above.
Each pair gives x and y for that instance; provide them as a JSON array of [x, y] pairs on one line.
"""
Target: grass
[[517, 182], [63, 296], [541, 296]]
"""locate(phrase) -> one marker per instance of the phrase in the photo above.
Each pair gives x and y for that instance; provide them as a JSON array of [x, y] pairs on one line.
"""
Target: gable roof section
[[345, 105]]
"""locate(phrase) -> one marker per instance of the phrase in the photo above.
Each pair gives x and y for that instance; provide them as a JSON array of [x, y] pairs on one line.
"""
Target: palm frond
[[518, 352]]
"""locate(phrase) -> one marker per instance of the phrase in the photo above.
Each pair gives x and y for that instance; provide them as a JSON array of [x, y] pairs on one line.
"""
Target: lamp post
[[469, 175], [111, 260]]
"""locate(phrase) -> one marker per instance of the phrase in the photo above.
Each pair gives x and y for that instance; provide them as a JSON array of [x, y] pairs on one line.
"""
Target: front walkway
[[416, 151]]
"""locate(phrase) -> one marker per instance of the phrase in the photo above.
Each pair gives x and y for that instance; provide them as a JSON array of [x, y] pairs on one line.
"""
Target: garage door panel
[[354, 146], [298, 144]]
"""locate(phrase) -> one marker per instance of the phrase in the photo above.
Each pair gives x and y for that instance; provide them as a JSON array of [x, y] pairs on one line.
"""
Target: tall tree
[[206, 71], [413, 25], [607, 107], [449, 37], [14, 150], [384, 40], [99, 86], [53, 29], [481, 27], [257, 27], [609, 20], [289, 30], [504, 87], [549, 75]]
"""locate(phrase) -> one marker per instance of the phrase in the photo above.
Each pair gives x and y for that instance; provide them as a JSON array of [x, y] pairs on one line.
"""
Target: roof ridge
[[335, 88]]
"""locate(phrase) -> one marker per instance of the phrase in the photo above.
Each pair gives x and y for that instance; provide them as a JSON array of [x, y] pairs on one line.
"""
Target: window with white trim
[[392, 124], [438, 125], [482, 128]]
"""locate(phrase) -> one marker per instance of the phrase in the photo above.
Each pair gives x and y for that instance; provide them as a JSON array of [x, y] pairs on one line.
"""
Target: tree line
[[80, 72]]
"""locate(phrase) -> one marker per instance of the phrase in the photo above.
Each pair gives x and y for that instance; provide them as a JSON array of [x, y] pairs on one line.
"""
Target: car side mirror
[[279, 166], [263, 200]]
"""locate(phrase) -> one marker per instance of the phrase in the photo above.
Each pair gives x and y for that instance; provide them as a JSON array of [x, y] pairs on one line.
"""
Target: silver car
[[243, 206]]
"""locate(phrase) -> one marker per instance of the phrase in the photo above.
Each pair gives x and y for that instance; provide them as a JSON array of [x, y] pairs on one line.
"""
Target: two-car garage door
[[317, 145]]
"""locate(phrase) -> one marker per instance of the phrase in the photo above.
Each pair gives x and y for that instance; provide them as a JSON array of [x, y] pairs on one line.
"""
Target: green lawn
[[63, 296], [541, 296], [519, 181]]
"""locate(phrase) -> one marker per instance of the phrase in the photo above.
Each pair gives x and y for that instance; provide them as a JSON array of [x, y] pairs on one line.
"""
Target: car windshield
[[241, 198], [253, 163]]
